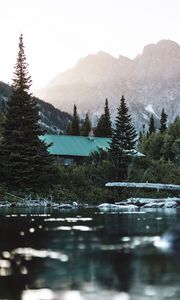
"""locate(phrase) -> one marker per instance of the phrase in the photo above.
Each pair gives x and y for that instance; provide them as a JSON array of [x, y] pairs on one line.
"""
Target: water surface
[[86, 255]]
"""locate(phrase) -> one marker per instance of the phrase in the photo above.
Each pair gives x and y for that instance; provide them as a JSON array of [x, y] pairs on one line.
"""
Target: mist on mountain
[[149, 82]]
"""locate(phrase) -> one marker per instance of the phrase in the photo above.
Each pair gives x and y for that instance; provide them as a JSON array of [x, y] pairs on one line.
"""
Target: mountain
[[51, 119], [149, 82]]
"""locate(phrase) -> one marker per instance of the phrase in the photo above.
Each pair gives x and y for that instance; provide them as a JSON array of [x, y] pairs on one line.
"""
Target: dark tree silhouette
[[104, 127], [75, 123], [86, 127], [151, 125], [25, 161], [163, 121], [123, 141]]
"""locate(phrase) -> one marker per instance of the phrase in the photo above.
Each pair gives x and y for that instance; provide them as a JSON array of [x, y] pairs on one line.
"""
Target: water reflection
[[86, 255]]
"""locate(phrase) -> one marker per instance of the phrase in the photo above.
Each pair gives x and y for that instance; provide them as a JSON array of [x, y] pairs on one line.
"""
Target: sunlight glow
[[57, 33], [44, 294]]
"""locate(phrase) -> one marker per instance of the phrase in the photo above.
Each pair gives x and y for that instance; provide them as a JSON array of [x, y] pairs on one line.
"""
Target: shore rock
[[67, 206], [171, 204], [154, 205], [116, 207]]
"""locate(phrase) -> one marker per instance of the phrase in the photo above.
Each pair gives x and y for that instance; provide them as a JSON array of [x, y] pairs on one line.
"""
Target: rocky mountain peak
[[158, 62], [99, 57], [167, 47], [152, 78]]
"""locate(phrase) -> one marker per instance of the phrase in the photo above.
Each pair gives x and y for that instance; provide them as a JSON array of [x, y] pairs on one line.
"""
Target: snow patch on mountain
[[150, 109]]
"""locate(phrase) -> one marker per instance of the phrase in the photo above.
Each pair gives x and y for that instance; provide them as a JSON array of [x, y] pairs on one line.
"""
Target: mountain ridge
[[51, 119], [151, 78]]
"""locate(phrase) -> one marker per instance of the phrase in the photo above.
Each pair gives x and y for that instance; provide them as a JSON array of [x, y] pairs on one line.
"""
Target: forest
[[27, 167]]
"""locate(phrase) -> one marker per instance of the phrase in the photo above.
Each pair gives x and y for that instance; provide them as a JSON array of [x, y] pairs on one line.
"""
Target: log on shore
[[144, 185]]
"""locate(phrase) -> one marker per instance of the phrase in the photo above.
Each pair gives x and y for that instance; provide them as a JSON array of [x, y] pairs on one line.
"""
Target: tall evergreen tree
[[75, 123], [104, 126], [163, 121], [123, 140], [151, 125], [86, 127], [25, 161], [98, 131], [107, 120]]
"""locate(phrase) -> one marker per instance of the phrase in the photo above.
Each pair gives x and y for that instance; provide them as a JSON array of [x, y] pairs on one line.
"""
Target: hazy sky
[[59, 32]]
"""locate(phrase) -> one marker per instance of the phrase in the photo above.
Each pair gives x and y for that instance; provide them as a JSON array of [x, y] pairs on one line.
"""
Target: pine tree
[[26, 163], [75, 123], [151, 125], [99, 128], [107, 120], [86, 127], [163, 121], [104, 127], [123, 141]]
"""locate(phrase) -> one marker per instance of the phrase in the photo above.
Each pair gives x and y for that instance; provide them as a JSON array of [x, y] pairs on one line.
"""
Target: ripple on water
[[68, 219], [28, 253], [60, 228], [131, 243], [81, 228], [47, 294], [68, 228], [40, 294], [5, 267]]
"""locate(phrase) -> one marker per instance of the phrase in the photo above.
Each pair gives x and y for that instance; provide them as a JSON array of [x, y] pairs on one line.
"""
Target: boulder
[[116, 207], [154, 205], [171, 204], [66, 206]]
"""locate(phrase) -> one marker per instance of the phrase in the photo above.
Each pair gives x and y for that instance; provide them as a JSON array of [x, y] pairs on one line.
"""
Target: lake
[[87, 255]]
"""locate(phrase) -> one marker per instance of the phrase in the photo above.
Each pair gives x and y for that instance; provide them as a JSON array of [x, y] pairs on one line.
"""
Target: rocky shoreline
[[136, 203], [129, 204], [42, 203]]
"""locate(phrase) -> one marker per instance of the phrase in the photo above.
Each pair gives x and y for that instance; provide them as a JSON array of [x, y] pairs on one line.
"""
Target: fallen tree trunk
[[144, 185]]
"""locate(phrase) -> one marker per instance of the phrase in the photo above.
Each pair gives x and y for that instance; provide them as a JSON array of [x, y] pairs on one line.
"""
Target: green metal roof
[[68, 145]]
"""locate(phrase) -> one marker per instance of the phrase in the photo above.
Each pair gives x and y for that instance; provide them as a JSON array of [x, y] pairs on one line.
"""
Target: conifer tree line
[[84, 127], [104, 125], [152, 127], [161, 143], [123, 135]]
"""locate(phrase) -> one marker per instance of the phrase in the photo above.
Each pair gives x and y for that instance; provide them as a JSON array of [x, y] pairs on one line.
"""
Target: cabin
[[69, 149]]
